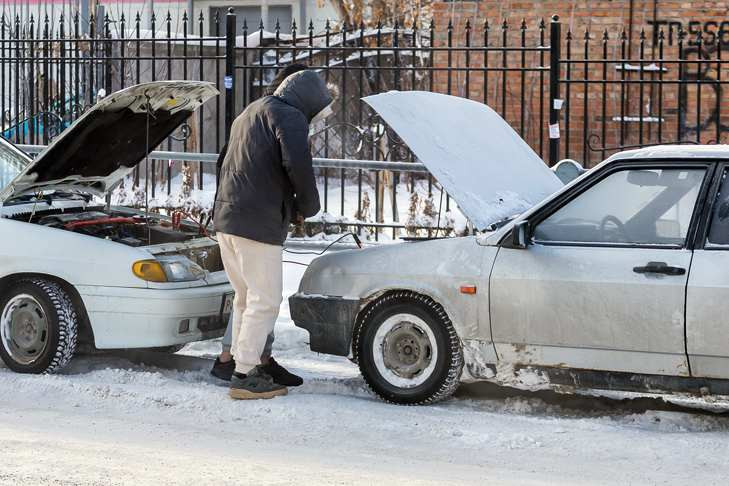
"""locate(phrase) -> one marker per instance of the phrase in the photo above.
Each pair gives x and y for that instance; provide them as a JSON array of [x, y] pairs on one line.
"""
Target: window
[[250, 15], [11, 163], [282, 14], [719, 229], [632, 206]]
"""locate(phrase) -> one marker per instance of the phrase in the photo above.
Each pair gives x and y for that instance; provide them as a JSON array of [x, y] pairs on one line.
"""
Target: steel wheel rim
[[24, 329], [405, 351]]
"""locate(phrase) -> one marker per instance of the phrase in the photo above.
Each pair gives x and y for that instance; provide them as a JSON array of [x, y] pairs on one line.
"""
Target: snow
[[203, 199], [483, 164], [110, 419]]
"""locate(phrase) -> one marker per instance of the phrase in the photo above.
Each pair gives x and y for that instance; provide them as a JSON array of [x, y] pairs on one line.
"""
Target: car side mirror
[[520, 235]]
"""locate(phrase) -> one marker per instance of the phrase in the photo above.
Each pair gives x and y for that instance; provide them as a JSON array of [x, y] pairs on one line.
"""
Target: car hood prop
[[105, 144], [479, 159]]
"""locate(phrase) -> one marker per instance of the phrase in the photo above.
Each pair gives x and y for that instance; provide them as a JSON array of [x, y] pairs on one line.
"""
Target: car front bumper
[[329, 320], [146, 318]]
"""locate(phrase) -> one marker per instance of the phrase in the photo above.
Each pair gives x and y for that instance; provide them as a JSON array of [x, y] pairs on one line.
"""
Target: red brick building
[[642, 42]]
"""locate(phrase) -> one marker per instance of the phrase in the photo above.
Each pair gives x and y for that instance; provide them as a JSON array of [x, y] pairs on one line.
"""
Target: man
[[266, 178], [224, 365]]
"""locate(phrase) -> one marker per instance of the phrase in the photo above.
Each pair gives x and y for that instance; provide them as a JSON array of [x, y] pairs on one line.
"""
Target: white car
[[74, 270], [617, 280]]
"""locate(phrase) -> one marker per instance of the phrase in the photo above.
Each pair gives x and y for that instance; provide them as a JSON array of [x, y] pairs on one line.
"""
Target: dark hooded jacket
[[267, 175]]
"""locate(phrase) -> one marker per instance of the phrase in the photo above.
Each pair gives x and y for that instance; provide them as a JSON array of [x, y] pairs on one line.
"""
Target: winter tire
[[38, 327], [407, 349]]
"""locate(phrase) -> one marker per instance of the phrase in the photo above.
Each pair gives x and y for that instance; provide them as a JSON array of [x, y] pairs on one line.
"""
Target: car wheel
[[38, 327], [407, 349]]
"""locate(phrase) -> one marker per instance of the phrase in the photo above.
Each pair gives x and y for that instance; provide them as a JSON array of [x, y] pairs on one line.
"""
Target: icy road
[[113, 420]]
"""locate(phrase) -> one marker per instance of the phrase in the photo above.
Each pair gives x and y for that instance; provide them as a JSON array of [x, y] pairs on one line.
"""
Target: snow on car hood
[[100, 148], [478, 158]]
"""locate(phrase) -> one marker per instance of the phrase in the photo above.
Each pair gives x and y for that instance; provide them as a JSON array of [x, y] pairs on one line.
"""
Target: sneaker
[[281, 375], [223, 371], [254, 385]]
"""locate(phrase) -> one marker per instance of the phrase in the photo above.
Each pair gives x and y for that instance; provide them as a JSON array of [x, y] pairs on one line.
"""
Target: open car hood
[[100, 148], [478, 158]]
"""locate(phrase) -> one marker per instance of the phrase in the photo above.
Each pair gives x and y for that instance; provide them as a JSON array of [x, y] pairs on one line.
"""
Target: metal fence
[[569, 95]]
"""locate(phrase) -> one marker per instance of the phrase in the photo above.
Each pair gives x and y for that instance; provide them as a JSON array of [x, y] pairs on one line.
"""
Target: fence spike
[[432, 25], [169, 17], [311, 26], [661, 35], [260, 26], [605, 35], [468, 25], [623, 36], [327, 26], [542, 24], [586, 35], [137, 18], [642, 34], [450, 24], [523, 24], [504, 25], [569, 35], [293, 28], [184, 16], [201, 17]]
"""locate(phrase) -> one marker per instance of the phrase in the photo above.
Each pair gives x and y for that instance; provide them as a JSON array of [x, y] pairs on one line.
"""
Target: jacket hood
[[479, 159], [100, 148], [305, 91]]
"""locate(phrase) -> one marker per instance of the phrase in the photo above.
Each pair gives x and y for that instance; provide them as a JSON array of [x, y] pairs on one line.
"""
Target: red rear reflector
[[468, 289]]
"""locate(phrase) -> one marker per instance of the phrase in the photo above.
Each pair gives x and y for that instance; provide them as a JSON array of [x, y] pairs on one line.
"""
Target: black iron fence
[[569, 95]]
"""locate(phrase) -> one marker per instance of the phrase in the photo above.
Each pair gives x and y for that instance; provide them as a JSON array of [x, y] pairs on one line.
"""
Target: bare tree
[[370, 12]]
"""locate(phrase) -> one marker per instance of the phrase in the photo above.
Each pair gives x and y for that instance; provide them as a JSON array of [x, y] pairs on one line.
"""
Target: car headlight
[[168, 269]]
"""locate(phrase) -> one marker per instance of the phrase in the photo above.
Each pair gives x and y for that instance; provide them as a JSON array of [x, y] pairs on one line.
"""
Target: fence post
[[555, 38], [108, 86], [229, 80]]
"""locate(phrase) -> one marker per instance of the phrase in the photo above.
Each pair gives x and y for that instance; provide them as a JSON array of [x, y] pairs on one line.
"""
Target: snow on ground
[[110, 419]]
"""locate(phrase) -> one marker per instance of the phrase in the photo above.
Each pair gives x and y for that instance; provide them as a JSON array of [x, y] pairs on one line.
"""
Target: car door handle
[[660, 267]]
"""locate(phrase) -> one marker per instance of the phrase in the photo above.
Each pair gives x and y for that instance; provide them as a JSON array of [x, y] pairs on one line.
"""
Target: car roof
[[686, 152]]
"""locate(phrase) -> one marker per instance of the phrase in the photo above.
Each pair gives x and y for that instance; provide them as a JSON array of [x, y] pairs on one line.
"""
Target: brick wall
[[594, 112]]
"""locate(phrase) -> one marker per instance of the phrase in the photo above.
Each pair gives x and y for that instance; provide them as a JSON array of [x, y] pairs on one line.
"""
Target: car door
[[602, 283], [707, 299]]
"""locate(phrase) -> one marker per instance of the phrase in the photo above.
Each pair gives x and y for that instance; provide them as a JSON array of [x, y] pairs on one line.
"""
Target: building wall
[[302, 11], [704, 109]]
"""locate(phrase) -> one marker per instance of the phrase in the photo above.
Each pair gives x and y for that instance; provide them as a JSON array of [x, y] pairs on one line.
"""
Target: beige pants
[[255, 272]]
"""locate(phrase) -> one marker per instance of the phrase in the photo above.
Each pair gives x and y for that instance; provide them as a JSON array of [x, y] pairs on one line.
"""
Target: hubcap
[[23, 329], [404, 350]]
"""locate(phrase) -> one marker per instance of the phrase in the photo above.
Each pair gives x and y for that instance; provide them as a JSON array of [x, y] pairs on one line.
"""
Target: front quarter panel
[[436, 268], [77, 259]]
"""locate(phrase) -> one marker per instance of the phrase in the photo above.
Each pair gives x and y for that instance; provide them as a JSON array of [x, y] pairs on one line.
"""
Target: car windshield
[[12, 162]]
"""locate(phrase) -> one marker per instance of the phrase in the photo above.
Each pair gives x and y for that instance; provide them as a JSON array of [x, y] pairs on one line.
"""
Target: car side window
[[630, 206], [719, 229], [10, 165]]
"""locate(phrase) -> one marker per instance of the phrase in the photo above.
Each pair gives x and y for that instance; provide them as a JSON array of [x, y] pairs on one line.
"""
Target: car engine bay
[[132, 228]]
